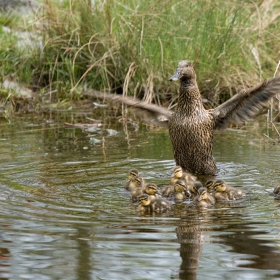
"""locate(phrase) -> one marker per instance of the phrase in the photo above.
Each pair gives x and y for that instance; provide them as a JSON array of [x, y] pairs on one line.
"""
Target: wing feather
[[244, 105]]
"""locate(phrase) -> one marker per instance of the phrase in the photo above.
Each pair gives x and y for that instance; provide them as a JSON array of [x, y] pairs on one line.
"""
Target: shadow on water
[[65, 215]]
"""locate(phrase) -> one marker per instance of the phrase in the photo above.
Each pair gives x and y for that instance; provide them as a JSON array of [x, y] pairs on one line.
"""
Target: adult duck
[[191, 125]]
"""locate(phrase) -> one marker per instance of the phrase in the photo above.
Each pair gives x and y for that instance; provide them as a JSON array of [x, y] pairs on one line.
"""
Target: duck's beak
[[199, 198], [187, 192], [175, 77], [158, 192]]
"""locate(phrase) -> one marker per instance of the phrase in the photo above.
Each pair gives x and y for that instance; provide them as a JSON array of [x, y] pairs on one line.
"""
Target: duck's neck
[[189, 98]]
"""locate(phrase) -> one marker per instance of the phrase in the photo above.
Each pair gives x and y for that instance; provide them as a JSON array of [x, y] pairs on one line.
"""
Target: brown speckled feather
[[243, 106]]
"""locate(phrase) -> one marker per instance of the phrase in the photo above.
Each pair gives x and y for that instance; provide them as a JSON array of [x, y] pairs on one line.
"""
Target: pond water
[[65, 215]]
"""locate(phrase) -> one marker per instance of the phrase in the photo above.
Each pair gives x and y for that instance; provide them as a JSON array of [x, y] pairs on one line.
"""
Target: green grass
[[133, 47]]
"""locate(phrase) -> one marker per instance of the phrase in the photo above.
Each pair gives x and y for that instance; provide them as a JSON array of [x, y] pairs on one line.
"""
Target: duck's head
[[219, 186], [144, 199], [184, 71], [209, 185], [196, 186], [202, 192], [178, 171], [151, 189], [180, 187], [139, 182], [132, 174]]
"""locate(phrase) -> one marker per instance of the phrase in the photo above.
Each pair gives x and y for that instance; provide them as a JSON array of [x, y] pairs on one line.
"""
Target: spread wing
[[243, 106]]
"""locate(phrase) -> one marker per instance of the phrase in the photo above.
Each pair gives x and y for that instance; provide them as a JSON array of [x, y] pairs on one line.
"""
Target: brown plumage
[[130, 185], [150, 189], [203, 198], [139, 188], [178, 174], [181, 191], [146, 204], [209, 185], [276, 191], [191, 125], [223, 192]]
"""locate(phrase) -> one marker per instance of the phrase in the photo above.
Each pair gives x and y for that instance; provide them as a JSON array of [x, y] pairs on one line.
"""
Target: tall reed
[[132, 47]]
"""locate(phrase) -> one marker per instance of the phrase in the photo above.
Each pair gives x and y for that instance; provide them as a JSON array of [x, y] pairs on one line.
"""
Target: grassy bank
[[133, 47]]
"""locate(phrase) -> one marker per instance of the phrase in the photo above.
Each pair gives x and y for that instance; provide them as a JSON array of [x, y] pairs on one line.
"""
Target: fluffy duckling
[[169, 190], [209, 185], [139, 188], [193, 187], [203, 198], [181, 191], [146, 204], [222, 191], [130, 185], [152, 190], [276, 191], [178, 174]]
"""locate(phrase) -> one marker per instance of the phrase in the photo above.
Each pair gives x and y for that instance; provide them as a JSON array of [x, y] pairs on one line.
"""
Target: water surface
[[65, 215]]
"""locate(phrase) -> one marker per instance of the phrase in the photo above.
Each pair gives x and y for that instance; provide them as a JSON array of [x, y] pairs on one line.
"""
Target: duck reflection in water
[[189, 235]]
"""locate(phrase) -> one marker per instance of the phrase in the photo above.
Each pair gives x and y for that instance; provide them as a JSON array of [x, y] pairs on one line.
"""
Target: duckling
[[167, 191], [130, 185], [203, 198], [180, 174], [209, 185], [160, 205], [222, 191], [146, 204], [181, 191], [139, 188], [276, 191], [193, 188], [191, 125], [152, 190]]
